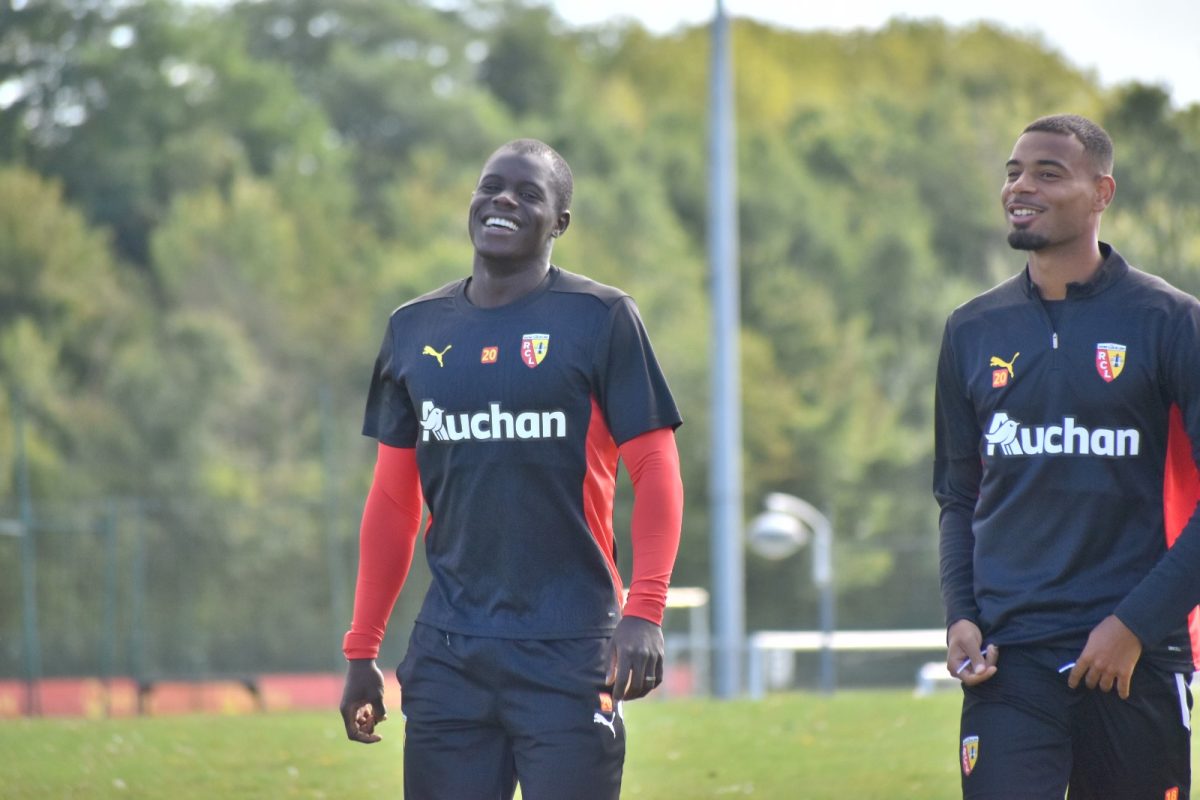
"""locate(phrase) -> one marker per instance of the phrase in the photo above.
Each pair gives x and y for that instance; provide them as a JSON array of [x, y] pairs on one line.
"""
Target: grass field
[[862, 744]]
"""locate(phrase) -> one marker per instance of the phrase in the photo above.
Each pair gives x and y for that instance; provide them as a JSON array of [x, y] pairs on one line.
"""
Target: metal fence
[[154, 589], [149, 588]]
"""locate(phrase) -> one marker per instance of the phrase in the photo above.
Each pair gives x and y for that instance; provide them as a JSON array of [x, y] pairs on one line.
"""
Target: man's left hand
[[1108, 658], [635, 658]]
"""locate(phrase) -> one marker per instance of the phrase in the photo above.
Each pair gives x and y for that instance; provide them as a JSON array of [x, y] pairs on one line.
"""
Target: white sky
[[1152, 41]]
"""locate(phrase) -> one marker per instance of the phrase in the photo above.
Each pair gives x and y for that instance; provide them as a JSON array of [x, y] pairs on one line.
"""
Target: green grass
[[862, 744], [854, 744], [878, 744], [194, 756]]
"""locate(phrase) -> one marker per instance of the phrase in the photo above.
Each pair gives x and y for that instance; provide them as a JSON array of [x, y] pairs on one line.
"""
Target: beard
[[1026, 240]]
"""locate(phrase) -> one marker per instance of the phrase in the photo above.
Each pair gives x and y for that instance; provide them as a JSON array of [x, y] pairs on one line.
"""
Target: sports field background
[[853, 744], [208, 210], [861, 744]]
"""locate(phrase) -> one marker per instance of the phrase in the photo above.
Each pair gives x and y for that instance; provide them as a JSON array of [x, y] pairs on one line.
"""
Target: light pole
[[781, 530], [725, 477]]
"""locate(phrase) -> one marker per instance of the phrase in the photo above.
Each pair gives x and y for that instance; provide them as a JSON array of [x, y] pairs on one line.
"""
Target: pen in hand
[[963, 666]]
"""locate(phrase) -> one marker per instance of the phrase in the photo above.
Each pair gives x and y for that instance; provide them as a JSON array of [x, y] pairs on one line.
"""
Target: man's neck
[[1052, 269], [495, 284]]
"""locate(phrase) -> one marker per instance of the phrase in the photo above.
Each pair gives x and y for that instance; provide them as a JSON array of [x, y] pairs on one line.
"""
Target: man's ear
[[1106, 188], [564, 220]]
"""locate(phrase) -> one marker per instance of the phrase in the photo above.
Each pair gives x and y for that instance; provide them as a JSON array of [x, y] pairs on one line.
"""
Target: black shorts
[[1025, 734], [483, 713]]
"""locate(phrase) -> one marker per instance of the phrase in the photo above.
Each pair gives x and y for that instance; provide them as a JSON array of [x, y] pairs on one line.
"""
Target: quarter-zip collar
[[1111, 270]]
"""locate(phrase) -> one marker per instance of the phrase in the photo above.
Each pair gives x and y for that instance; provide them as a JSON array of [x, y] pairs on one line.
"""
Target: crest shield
[[534, 347], [1110, 360], [970, 754]]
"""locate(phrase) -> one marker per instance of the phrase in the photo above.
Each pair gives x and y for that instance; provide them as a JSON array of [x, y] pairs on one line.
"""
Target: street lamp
[[725, 476], [781, 530]]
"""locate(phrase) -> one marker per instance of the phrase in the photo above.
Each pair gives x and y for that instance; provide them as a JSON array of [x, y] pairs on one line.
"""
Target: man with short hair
[[505, 400], [1066, 422]]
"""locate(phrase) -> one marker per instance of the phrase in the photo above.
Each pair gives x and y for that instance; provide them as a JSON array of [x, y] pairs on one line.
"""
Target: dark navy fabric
[[1026, 734], [481, 711], [1050, 476], [499, 404]]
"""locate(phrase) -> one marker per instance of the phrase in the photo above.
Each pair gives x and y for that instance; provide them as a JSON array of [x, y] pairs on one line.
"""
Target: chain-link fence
[[158, 589], [150, 588]]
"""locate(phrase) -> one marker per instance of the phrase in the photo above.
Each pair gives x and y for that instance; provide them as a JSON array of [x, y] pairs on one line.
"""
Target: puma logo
[[611, 724], [429, 351], [997, 361]]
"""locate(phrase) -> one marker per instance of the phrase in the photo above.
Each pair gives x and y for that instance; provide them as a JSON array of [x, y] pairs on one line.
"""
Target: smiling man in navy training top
[[1067, 418], [503, 402]]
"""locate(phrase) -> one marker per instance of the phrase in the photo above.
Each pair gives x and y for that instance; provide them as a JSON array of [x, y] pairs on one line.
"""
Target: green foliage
[[525, 68], [65, 313], [207, 212]]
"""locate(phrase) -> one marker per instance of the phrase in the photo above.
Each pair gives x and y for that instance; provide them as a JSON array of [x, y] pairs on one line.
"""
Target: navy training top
[[516, 413], [1053, 467]]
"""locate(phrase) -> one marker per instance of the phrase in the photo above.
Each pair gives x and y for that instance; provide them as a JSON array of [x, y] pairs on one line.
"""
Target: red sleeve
[[390, 522], [1181, 491], [653, 463]]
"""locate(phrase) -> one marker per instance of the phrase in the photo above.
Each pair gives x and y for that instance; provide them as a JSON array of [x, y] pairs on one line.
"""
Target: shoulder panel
[[570, 282], [441, 293]]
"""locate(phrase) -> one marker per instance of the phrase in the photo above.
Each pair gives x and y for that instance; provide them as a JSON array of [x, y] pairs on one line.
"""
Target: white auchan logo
[[1013, 439], [491, 424]]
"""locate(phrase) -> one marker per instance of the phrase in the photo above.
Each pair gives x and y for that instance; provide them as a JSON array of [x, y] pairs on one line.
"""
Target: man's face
[[1051, 192], [513, 213]]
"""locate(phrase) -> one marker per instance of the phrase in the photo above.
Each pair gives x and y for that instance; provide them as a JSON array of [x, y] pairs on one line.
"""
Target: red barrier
[[94, 698], [69, 697]]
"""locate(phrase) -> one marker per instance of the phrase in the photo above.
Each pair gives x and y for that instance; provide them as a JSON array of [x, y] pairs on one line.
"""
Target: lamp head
[[775, 535]]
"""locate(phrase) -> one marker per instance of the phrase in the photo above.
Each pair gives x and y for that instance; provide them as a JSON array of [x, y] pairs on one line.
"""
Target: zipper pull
[[1054, 340]]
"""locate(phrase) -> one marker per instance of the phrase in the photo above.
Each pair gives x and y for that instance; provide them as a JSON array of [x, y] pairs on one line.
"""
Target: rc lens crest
[[534, 347], [969, 754], [1110, 360]]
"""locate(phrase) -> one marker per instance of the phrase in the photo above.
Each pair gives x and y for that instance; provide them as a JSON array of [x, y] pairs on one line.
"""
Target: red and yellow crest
[[606, 703], [1110, 360], [534, 347], [970, 754]]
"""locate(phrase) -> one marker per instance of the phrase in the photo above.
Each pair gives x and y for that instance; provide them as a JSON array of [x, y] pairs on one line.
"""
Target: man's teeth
[[1023, 212], [497, 222]]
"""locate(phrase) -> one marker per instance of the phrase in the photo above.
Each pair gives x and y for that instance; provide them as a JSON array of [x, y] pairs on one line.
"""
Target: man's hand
[[1111, 653], [635, 658], [965, 659], [362, 700]]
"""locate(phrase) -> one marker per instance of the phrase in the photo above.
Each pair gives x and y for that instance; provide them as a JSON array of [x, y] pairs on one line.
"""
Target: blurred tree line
[[208, 211]]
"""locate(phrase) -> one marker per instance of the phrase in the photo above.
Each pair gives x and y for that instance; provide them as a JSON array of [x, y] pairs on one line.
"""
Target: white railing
[[760, 644]]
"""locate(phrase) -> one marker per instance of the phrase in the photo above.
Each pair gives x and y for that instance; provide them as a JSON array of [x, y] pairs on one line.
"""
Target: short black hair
[[563, 180], [1096, 141]]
